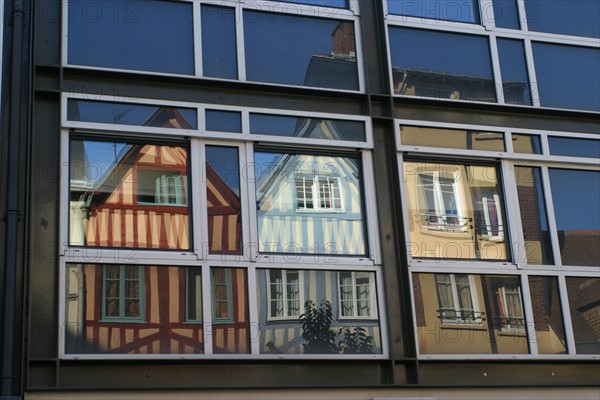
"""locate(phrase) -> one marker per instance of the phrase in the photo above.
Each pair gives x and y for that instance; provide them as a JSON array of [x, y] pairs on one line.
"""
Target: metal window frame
[[517, 265], [253, 322], [487, 28], [283, 8], [197, 140]]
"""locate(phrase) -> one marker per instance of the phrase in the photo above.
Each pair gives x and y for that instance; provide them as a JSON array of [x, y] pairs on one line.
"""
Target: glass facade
[[270, 194]]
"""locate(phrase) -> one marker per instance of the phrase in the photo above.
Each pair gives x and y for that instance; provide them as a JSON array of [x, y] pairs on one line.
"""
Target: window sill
[[472, 327], [121, 321]]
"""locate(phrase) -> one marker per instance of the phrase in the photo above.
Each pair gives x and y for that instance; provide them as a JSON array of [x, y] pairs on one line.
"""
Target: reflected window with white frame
[[511, 308], [123, 292], [193, 297], [319, 193], [456, 298], [493, 228], [440, 202], [357, 290], [285, 293], [157, 187]]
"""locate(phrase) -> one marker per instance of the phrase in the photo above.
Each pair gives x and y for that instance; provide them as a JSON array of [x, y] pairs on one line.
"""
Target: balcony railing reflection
[[461, 316], [443, 222]]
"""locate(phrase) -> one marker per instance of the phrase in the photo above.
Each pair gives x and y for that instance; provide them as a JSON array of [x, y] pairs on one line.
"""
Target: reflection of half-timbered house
[[310, 201], [131, 309], [142, 201], [154, 310]]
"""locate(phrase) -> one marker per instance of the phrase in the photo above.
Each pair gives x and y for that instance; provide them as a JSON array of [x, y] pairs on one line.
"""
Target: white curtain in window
[[346, 288]]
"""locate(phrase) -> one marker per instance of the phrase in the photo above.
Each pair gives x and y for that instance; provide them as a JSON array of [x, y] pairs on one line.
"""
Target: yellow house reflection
[[455, 211], [469, 314]]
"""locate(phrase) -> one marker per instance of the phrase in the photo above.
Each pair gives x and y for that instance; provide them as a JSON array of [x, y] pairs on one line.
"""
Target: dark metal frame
[[30, 144]]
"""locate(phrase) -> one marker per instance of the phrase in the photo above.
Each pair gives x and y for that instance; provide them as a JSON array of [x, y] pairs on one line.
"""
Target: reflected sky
[[441, 52], [223, 121], [568, 17], [448, 10], [514, 71], [314, 128], [225, 162], [279, 48], [506, 14], [219, 57], [145, 35], [568, 76], [100, 157], [576, 195], [574, 147], [126, 113]]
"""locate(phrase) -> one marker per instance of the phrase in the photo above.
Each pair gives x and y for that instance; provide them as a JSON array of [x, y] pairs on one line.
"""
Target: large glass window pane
[[230, 328], [584, 303], [515, 81], [144, 35], [441, 65], [469, 314], [309, 204], [576, 195], [547, 315], [300, 51], [567, 76], [455, 211], [452, 138], [313, 128], [128, 195], [219, 57], [529, 144], [447, 10], [538, 248], [132, 114], [567, 17], [223, 121], [561, 146], [223, 195], [130, 309], [338, 314], [506, 14]]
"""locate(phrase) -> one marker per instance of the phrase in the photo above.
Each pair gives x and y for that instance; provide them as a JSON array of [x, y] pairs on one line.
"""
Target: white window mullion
[[253, 310], [455, 297], [197, 19], [546, 188], [253, 245], [496, 70], [316, 195], [198, 198], [566, 312], [207, 324], [486, 13], [245, 164], [405, 203], [528, 315], [239, 39], [535, 94], [440, 208], [354, 296], [513, 224], [522, 15]]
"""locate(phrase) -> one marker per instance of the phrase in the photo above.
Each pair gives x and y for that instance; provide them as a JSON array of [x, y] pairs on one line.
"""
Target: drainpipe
[[18, 54]]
